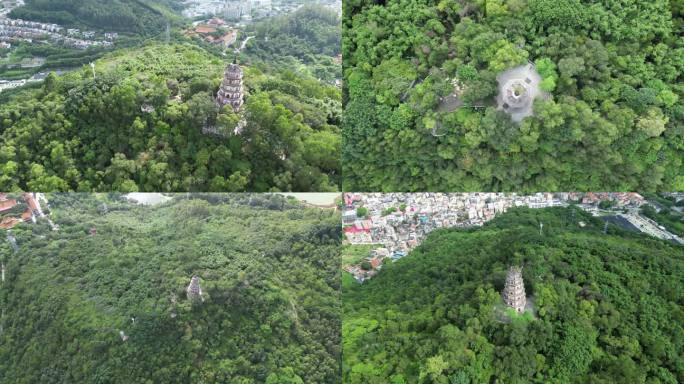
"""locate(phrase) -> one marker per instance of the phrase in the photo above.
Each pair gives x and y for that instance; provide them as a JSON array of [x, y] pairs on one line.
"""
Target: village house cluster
[[6, 6], [398, 222], [246, 11], [214, 31], [231, 9], [31, 25], [16, 29], [13, 212], [8, 84]]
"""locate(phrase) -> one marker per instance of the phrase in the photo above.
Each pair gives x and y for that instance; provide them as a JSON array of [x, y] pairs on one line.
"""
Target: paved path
[[650, 227], [244, 43]]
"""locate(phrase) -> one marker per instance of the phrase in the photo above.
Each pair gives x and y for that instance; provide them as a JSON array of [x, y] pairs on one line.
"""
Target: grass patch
[[352, 254]]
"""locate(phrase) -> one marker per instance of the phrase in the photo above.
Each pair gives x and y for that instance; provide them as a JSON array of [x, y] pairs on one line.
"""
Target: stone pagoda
[[518, 88], [231, 90], [514, 291], [194, 290]]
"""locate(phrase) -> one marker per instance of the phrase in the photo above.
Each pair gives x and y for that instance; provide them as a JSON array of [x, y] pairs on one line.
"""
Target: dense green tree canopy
[[139, 126], [607, 307], [614, 119], [268, 269], [145, 17], [311, 35]]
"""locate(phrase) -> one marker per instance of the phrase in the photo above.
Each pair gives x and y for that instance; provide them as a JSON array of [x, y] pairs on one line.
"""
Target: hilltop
[[308, 39], [524, 96], [103, 299], [607, 307], [143, 17], [137, 125]]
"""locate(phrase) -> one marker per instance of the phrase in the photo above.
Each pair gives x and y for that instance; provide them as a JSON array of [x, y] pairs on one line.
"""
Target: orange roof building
[[205, 29], [216, 21], [9, 222], [6, 205], [31, 202]]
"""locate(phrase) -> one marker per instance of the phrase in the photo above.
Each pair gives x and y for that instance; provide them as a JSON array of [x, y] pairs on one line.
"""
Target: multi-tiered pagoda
[[514, 291], [231, 91], [194, 290]]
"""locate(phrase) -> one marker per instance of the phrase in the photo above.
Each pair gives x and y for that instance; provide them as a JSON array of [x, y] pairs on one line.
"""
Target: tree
[[506, 55], [653, 123], [547, 70], [285, 376], [586, 323], [264, 293], [123, 130]]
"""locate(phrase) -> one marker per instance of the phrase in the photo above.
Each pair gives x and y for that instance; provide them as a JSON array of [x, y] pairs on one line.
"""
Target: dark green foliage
[[56, 57], [134, 16], [311, 35], [269, 272], [548, 13], [388, 211], [77, 133], [607, 308], [605, 204], [671, 219], [613, 68]]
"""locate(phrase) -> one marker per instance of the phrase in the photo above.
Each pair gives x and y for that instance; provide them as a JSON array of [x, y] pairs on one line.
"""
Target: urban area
[[15, 33], [247, 11], [216, 22], [219, 22], [391, 224]]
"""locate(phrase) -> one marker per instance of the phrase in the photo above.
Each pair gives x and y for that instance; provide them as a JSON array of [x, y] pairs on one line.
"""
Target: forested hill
[[310, 30], [608, 308], [613, 118], [310, 36], [139, 126], [146, 17], [268, 270]]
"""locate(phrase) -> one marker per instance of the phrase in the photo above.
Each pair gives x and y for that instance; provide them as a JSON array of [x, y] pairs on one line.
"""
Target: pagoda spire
[[514, 290], [194, 290], [231, 91]]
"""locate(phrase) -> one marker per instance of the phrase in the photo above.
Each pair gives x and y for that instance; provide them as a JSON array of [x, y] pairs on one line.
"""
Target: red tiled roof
[[205, 29], [216, 21], [7, 205], [30, 201], [9, 222], [355, 230]]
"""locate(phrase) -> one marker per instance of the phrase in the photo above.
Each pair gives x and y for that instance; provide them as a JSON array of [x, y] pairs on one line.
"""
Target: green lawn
[[352, 254]]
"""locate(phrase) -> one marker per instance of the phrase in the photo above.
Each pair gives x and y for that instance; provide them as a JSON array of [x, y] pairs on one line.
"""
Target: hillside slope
[[421, 111], [144, 17], [138, 126], [607, 308], [312, 35], [268, 270]]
